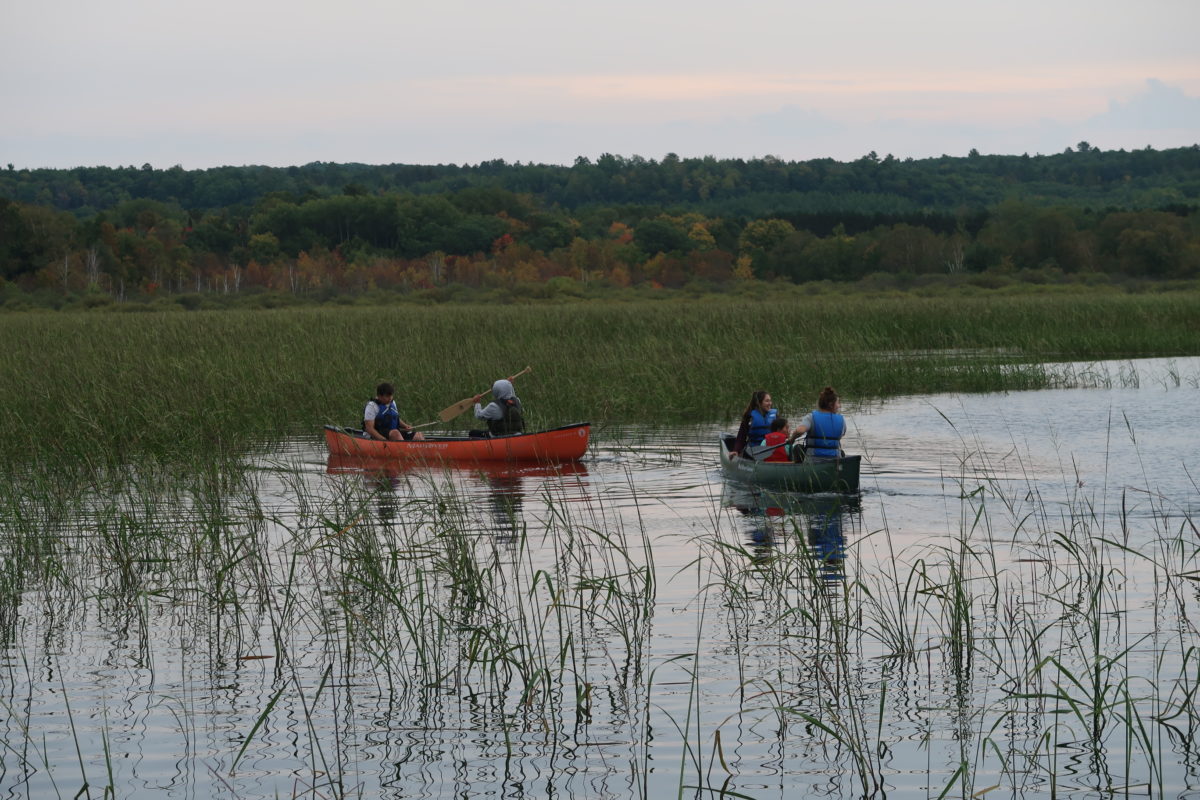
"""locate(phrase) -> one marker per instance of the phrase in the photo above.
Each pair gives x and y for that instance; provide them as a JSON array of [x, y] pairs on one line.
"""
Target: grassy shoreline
[[564, 290], [102, 385], [1031, 635]]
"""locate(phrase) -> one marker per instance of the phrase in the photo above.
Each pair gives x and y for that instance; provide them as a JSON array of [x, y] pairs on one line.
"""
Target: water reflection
[[1011, 543], [825, 519], [505, 498], [505, 484]]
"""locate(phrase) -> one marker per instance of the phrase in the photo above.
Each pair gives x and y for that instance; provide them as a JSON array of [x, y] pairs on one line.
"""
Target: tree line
[[334, 228]]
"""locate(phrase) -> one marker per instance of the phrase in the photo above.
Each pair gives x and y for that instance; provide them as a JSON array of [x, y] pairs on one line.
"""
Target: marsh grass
[[427, 604], [395, 624], [1034, 666], [84, 388]]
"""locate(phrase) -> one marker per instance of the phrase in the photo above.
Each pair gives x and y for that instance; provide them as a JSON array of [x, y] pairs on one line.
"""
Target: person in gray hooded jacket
[[503, 415]]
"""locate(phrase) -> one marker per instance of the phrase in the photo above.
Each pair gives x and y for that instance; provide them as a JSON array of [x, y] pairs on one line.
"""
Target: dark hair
[[828, 399], [384, 389], [755, 402], [779, 424]]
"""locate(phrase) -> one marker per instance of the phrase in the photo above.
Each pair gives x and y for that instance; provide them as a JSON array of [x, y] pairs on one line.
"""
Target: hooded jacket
[[503, 414]]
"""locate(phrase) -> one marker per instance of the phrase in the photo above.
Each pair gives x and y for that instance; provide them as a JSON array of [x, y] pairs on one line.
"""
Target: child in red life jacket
[[780, 435]]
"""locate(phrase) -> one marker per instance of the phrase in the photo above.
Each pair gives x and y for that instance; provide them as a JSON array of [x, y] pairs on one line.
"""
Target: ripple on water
[[634, 623]]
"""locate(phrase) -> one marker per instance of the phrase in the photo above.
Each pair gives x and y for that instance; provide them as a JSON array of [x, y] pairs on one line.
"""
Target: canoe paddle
[[450, 412]]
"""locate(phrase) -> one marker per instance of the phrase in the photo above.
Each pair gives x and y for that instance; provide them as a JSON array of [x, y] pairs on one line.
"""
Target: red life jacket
[[780, 453]]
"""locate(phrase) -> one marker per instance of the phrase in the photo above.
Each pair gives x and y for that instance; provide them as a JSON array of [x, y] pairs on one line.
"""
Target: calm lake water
[[1008, 608]]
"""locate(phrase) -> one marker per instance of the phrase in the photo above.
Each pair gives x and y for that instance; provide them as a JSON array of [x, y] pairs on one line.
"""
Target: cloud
[[1159, 107], [794, 121], [553, 120]]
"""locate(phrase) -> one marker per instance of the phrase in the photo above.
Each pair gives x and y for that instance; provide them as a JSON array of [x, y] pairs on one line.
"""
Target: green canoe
[[811, 475]]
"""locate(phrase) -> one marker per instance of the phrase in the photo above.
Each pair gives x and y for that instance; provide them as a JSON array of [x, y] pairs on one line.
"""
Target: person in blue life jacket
[[381, 419], [756, 422], [504, 414], [824, 427]]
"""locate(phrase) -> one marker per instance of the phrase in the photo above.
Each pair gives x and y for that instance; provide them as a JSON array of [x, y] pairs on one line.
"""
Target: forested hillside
[[330, 229]]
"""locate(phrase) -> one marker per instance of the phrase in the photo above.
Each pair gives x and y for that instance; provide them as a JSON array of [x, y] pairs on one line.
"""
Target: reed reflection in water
[[824, 521], [1007, 608]]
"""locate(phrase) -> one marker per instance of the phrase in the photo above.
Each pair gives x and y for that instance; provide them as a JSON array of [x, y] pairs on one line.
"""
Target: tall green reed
[[84, 388]]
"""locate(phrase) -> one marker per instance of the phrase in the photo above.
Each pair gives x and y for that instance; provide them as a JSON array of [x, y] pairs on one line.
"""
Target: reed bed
[[345, 607], [85, 388], [1018, 656], [349, 638], [323, 630]]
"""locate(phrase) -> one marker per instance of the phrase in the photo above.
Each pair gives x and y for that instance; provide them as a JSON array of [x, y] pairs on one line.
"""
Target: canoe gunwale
[[565, 443], [814, 475]]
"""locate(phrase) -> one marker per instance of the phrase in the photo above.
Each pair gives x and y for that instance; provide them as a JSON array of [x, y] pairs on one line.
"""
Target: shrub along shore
[[104, 388]]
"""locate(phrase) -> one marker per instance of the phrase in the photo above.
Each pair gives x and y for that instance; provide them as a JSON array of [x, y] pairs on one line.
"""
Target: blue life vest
[[760, 425], [824, 437], [387, 419]]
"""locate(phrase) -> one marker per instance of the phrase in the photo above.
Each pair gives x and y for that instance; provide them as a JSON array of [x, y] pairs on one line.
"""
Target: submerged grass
[[97, 388], [396, 625], [1035, 664], [415, 609]]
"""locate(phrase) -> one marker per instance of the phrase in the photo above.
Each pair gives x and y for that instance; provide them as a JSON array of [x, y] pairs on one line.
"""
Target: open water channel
[[1008, 608]]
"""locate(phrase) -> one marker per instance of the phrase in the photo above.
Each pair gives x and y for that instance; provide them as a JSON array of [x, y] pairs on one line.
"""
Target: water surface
[[1007, 607]]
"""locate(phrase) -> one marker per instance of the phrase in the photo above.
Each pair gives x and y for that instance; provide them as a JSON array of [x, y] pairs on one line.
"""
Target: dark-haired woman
[[824, 427], [756, 421]]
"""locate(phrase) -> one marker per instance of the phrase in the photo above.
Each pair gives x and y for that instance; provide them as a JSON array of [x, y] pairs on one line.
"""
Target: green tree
[[910, 249], [263, 248], [661, 236], [760, 237], [1152, 244]]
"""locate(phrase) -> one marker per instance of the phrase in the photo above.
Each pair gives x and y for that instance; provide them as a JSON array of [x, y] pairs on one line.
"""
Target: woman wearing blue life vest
[[381, 419], [824, 427], [756, 421]]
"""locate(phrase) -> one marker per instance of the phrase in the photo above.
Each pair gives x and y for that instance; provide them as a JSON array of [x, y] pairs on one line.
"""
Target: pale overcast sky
[[220, 82]]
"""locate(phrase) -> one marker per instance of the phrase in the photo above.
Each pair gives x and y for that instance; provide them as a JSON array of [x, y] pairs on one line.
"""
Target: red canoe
[[567, 443]]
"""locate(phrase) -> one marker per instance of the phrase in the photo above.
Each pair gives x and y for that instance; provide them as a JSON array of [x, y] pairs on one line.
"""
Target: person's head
[[828, 401], [503, 390], [779, 424], [385, 391], [759, 401]]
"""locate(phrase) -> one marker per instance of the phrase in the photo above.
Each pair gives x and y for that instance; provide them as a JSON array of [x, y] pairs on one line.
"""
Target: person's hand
[[478, 397]]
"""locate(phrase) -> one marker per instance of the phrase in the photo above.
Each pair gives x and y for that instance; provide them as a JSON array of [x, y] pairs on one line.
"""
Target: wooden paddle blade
[[450, 412]]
